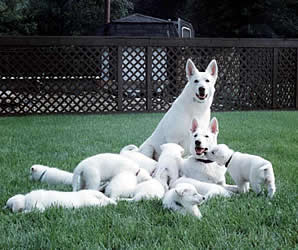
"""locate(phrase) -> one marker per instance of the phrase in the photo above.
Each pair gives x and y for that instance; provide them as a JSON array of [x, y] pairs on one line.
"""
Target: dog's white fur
[[245, 168], [191, 103], [43, 199], [184, 199], [130, 151], [201, 140], [169, 163], [208, 190], [124, 184], [151, 189], [49, 175], [103, 167]]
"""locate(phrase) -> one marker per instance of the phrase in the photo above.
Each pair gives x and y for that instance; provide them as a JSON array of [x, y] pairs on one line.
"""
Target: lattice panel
[[286, 78], [134, 79], [86, 79], [76, 80]]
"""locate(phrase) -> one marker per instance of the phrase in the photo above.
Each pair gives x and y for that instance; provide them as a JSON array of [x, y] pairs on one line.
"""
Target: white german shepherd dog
[[194, 102]]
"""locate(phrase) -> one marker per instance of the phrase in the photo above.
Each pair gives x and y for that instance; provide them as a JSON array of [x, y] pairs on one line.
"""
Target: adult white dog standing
[[194, 102]]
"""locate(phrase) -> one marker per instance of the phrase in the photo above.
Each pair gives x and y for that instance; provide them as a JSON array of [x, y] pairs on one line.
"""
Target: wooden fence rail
[[105, 75]]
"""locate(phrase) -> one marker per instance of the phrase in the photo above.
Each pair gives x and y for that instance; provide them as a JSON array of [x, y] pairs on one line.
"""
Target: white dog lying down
[[103, 167], [169, 163], [197, 166], [130, 151], [184, 199], [245, 168], [194, 101], [50, 175], [209, 190], [42, 199], [124, 184]]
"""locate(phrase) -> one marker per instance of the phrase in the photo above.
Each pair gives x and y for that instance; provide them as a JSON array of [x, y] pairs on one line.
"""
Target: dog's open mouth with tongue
[[201, 97], [200, 151]]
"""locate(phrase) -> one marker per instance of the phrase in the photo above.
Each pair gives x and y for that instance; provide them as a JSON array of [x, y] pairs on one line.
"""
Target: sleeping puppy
[[184, 199], [43, 199], [49, 175], [209, 190], [245, 169], [124, 184]]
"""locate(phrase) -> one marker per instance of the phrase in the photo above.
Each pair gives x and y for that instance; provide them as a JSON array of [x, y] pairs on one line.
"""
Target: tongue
[[200, 151]]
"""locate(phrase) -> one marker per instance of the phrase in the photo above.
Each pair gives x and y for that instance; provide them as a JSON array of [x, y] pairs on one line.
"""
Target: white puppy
[[169, 163], [42, 199], [209, 190], [130, 151], [103, 167], [198, 166], [124, 184], [184, 199], [49, 175], [150, 189], [245, 168], [194, 101]]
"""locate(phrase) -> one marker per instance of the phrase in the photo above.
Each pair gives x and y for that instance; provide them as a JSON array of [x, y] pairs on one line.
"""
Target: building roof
[[139, 18]]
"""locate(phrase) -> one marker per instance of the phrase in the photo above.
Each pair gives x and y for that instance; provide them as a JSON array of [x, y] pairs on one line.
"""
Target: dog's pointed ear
[[212, 69], [190, 68], [194, 125], [214, 126]]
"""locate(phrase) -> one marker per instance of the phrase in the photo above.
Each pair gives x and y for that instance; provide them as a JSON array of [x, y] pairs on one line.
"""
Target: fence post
[[148, 78], [120, 80], [274, 80], [297, 78]]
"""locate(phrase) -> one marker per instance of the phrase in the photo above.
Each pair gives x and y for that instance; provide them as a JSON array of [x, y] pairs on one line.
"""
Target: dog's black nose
[[204, 198], [198, 143], [201, 91]]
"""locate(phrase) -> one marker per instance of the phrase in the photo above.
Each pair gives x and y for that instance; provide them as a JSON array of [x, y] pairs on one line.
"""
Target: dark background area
[[216, 18]]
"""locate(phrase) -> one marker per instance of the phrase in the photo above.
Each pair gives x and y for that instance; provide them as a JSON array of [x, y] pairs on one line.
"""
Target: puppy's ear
[[212, 69], [214, 126], [194, 125], [190, 69]]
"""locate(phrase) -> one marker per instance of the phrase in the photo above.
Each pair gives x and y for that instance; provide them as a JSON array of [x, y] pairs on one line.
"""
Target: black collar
[[205, 161], [178, 204], [228, 162], [42, 175]]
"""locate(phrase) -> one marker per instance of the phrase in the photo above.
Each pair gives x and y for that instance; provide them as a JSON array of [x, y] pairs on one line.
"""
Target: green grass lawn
[[243, 222]]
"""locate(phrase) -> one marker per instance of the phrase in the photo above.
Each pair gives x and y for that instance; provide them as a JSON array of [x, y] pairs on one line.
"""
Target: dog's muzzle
[[202, 95]]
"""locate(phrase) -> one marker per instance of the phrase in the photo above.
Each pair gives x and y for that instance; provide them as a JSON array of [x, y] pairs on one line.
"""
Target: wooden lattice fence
[[106, 75]]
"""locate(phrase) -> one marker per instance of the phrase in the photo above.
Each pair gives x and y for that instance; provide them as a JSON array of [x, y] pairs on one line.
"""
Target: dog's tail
[[129, 147], [269, 179]]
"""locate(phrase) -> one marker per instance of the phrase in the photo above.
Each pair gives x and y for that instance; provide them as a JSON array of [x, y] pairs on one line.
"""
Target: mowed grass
[[242, 222]]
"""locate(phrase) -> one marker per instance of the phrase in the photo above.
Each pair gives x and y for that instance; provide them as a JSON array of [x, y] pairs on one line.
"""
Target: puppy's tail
[[269, 179], [129, 147]]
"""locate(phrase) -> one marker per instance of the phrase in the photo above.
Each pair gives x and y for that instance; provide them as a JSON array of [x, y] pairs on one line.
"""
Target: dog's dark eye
[[195, 135], [212, 153], [196, 81], [207, 136], [207, 80]]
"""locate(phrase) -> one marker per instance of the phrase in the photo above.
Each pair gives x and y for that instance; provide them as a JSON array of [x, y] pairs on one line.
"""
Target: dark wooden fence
[[106, 75]]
